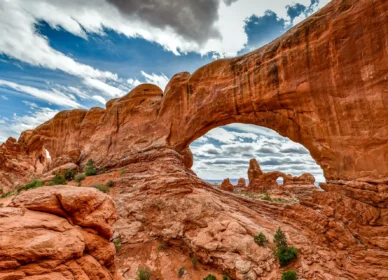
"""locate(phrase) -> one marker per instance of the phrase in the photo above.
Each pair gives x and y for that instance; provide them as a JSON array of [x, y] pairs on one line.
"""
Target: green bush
[[80, 177], [102, 170], [8, 194], [267, 197], [289, 275], [32, 185], [280, 239], [58, 180], [162, 246], [123, 171], [181, 272], [210, 277], [101, 188], [260, 239], [90, 169], [117, 243], [144, 274], [194, 261], [226, 277], [69, 175], [110, 184], [286, 255]]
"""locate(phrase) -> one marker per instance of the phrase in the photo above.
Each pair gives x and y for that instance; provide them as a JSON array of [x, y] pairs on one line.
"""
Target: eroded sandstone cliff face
[[323, 84], [59, 233]]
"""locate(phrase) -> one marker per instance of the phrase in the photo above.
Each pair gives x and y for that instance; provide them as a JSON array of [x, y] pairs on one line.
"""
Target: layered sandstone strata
[[58, 232], [322, 84]]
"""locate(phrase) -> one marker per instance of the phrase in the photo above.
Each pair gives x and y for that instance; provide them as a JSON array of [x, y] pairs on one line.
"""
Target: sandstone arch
[[322, 84]]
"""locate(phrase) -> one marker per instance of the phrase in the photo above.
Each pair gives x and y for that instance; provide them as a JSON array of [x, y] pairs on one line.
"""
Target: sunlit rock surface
[[322, 84]]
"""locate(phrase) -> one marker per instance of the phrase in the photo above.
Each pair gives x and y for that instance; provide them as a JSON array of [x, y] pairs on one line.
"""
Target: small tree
[[181, 272], [289, 275], [280, 239], [144, 274], [210, 277], [101, 188], [80, 177], [117, 243], [162, 246], [90, 169], [260, 239], [284, 253], [194, 262], [59, 179], [69, 175]]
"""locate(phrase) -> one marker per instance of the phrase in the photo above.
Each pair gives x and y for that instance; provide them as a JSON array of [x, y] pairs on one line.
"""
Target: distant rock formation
[[254, 170], [266, 182], [227, 185], [58, 232], [241, 184], [304, 179]]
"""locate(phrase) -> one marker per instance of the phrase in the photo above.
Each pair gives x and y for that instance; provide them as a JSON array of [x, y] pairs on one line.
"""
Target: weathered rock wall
[[322, 84], [58, 232]]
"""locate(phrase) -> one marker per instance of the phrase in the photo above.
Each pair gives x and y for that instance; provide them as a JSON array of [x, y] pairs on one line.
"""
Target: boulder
[[57, 233]]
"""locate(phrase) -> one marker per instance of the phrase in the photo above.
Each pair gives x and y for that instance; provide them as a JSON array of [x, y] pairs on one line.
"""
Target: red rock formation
[[254, 170], [58, 233], [260, 181], [241, 184], [301, 187], [226, 185], [304, 179], [304, 85], [322, 84]]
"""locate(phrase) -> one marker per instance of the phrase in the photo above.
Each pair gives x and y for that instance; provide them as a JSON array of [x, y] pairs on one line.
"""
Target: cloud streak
[[54, 97]]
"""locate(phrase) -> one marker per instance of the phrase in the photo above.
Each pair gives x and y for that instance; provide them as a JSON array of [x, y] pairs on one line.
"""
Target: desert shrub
[[110, 184], [162, 246], [8, 194], [101, 188], [32, 185], [181, 272], [144, 274], [284, 253], [194, 262], [260, 239], [80, 177], [210, 277], [59, 179], [69, 175], [289, 275], [90, 169], [123, 171], [226, 277], [267, 197], [102, 170], [280, 239], [117, 243]]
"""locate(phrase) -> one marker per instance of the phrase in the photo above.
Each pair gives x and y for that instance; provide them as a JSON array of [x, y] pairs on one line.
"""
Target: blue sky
[[57, 55]]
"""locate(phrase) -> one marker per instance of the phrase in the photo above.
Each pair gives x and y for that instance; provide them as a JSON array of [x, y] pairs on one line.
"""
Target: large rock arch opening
[[225, 152]]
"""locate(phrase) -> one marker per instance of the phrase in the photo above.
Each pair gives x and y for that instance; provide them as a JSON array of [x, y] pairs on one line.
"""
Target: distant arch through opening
[[225, 152]]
